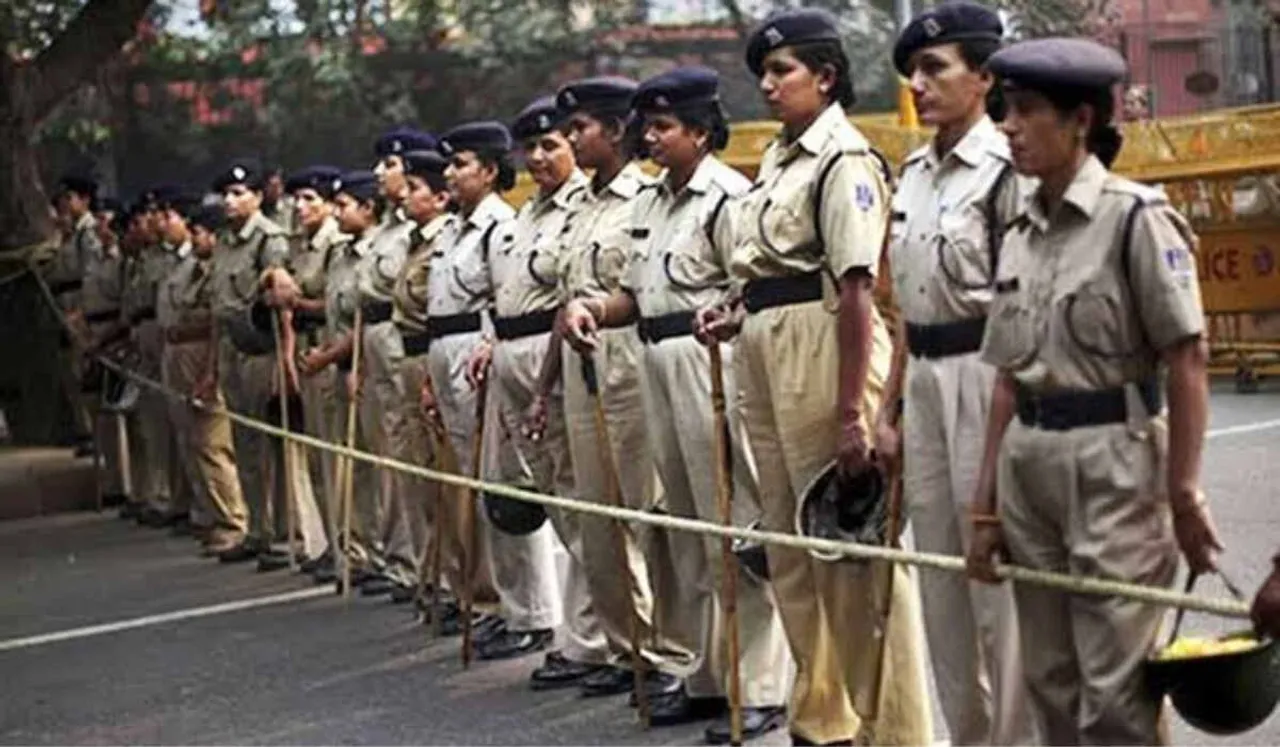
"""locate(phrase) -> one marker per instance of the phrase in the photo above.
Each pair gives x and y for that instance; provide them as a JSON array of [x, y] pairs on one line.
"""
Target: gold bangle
[[988, 520]]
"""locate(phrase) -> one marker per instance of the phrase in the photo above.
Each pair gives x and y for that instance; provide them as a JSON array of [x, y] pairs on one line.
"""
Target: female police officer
[[953, 199], [811, 361], [1096, 293]]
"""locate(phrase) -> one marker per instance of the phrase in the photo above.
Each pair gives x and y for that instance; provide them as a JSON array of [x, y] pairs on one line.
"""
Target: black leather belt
[[98, 317], [143, 315], [453, 324], [655, 329], [766, 293], [415, 343], [66, 286], [1063, 411], [376, 312], [525, 325], [945, 340]]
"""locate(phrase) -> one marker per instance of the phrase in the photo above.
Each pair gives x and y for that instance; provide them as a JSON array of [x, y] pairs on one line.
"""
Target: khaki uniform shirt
[[598, 238], [238, 263], [460, 280], [309, 256], [1067, 314], [389, 245], [524, 271], [410, 291], [944, 222], [103, 292], [169, 286], [779, 233], [191, 291], [144, 277], [341, 296], [73, 259], [681, 258]]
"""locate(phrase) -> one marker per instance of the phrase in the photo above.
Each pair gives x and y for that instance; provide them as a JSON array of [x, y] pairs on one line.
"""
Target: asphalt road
[[320, 671]]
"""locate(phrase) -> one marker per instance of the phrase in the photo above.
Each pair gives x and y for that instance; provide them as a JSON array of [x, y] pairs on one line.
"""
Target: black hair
[[709, 118], [1103, 139], [818, 55], [501, 160]]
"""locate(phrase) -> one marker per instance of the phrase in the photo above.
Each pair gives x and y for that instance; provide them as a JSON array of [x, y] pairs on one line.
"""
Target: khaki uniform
[[525, 282], [204, 437], [1084, 302], [381, 399], [341, 299], [246, 359], [787, 363], [309, 261], [594, 260], [103, 294], [185, 485], [682, 243], [946, 214], [152, 483], [462, 284], [65, 275]]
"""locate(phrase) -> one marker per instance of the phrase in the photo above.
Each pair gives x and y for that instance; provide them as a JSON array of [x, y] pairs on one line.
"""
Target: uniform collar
[[486, 212], [699, 183], [325, 234], [972, 148], [563, 195], [434, 226], [184, 251], [628, 182], [251, 226], [818, 133], [1082, 194], [85, 222]]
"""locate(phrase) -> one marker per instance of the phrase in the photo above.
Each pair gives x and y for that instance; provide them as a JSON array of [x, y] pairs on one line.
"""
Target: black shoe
[[756, 722], [510, 644], [404, 593], [451, 619], [311, 564], [131, 510], [657, 684], [111, 500], [241, 553], [607, 681], [676, 707], [182, 527], [84, 449], [272, 560], [375, 585], [157, 519], [557, 672], [324, 572]]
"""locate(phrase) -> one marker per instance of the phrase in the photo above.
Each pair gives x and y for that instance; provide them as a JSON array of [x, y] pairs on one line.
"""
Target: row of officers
[[1042, 388]]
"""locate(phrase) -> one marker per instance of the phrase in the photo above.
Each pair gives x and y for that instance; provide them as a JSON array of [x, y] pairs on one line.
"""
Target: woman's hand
[[853, 449], [1196, 534], [581, 326], [986, 545], [478, 364], [535, 418], [888, 445], [720, 323]]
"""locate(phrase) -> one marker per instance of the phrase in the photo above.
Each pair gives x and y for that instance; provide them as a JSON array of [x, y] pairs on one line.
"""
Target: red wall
[[1182, 37]]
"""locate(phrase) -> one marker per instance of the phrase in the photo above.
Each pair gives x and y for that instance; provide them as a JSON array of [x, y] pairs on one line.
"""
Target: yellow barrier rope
[[1064, 582]]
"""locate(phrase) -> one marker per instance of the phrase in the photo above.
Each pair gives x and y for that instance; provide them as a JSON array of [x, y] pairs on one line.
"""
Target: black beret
[[486, 136], [241, 171], [603, 95], [362, 185], [537, 118], [947, 23], [786, 28], [403, 139], [78, 183], [678, 89], [1060, 61], [426, 164], [209, 217], [320, 178]]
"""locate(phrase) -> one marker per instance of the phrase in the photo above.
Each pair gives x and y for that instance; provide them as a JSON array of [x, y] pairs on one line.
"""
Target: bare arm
[[854, 339], [1002, 408]]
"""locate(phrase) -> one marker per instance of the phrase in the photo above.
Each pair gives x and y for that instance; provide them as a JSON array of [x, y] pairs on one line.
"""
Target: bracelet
[[984, 520]]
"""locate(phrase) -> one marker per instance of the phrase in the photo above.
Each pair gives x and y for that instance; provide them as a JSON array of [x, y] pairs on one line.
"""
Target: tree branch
[[97, 32]]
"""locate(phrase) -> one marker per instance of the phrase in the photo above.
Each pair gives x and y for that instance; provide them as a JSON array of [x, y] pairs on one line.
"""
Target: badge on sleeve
[[1178, 260], [863, 197]]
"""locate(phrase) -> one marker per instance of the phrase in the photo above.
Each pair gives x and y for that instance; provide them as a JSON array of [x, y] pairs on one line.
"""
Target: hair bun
[[1105, 143]]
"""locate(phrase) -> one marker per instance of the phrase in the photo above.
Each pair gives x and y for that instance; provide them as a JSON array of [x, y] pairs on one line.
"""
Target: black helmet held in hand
[[844, 509], [511, 516]]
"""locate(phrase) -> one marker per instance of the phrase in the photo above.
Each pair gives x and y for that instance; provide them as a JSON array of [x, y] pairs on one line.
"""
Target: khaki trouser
[[517, 365], [155, 484], [381, 405], [616, 599], [185, 486], [786, 361], [364, 521], [972, 627], [246, 384], [320, 404], [682, 436], [291, 480], [1087, 502], [210, 441], [522, 571]]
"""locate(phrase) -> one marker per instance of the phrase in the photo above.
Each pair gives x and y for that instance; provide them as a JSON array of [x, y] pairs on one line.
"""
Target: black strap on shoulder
[[995, 226], [715, 215], [821, 187], [486, 239], [1126, 241]]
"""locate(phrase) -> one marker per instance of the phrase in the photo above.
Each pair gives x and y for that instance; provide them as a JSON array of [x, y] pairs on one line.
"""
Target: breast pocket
[[783, 220], [244, 283], [1095, 317], [690, 265], [962, 249], [1012, 336]]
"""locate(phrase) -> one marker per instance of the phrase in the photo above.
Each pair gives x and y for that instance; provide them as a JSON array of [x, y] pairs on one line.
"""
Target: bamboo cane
[[469, 524], [286, 447], [613, 496], [724, 500], [885, 602], [348, 477]]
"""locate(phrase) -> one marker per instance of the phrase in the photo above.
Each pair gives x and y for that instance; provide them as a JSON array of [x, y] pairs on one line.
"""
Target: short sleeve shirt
[[168, 289], [238, 263], [1080, 307], [411, 287], [389, 245], [524, 271], [681, 241], [947, 225], [74, 258], [310, 254], [341, 293], [598, 238], [460, 279], [785, 230]]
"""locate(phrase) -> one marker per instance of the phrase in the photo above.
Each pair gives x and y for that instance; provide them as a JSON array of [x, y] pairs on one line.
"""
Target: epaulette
[[1146, 195]]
